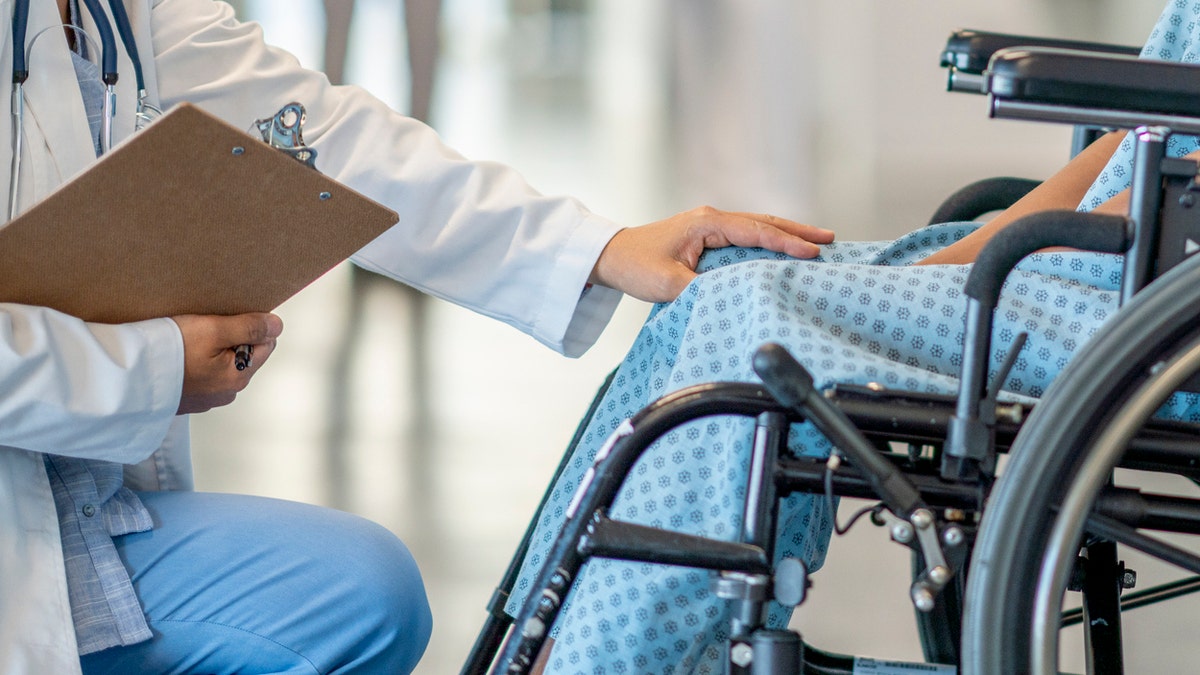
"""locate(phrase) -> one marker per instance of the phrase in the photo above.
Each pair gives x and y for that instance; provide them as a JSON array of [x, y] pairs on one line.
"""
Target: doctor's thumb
[[254, 328]]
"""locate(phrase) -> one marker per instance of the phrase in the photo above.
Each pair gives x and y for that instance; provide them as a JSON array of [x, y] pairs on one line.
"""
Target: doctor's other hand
[[656, 262], [210, 378]]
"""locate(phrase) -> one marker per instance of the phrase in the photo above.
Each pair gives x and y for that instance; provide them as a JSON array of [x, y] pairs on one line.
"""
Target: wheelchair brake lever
[[908, 516], [792, 385]]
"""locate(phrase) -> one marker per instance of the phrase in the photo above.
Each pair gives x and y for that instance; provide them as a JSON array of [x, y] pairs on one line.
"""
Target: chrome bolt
[[741, 655], [1128, 579], [921, 519], [939, 574], [1014, 413], [922, 599], [902, 532], [953, 536]]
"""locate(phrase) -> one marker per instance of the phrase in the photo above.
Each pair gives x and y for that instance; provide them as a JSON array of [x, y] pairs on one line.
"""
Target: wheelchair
[[1005, 505]]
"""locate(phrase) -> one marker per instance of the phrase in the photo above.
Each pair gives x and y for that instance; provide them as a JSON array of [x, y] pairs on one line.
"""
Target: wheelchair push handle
[[790, 383]]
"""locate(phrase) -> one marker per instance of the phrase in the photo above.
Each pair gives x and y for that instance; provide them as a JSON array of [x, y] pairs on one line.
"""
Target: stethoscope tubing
[[108, 70], [20, 26], [108, 53]]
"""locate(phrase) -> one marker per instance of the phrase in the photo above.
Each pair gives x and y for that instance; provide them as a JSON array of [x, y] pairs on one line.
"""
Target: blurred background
[[446, 427]]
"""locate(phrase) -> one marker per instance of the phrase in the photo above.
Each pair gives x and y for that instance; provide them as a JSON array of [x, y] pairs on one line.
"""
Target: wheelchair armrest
[[1059, 85], [1045, 229], [968, 52], [982, 197]]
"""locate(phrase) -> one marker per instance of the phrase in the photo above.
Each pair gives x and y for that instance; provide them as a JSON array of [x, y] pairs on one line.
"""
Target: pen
[[241, 356]]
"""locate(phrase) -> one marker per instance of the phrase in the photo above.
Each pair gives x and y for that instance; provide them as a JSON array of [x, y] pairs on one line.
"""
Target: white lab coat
[[473, 233]]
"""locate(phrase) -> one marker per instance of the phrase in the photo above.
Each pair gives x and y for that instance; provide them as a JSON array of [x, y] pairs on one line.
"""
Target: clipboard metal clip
[[283, 132]]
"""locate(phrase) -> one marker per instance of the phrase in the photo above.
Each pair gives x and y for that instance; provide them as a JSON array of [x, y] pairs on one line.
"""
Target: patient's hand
[[655, 262], [210, 378]]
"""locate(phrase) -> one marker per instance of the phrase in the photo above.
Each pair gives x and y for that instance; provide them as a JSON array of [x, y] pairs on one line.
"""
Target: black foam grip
[[982, 197], [1085, 231], [788, 381]]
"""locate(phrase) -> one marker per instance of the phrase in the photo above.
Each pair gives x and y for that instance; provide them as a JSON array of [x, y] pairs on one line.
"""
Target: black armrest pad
[[970, 50], [1070, 78]]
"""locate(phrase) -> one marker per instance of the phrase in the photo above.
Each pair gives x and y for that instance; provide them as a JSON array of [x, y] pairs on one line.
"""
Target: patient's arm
[[1063, 190]]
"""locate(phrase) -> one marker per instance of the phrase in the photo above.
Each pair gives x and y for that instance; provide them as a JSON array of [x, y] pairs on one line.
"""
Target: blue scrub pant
[[249, 585]]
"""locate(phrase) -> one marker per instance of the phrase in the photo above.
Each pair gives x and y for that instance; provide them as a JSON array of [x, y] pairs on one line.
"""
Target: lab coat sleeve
[[87, 390], [474, 233]]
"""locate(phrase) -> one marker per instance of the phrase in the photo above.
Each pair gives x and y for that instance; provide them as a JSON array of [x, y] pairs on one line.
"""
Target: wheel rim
[[1069, 525], [997, 622]]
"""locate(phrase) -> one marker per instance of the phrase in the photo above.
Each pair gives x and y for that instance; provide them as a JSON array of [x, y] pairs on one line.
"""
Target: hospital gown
[[860, 313]]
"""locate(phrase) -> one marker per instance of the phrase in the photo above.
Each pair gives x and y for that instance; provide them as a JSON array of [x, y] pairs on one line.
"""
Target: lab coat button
[[89, 510]]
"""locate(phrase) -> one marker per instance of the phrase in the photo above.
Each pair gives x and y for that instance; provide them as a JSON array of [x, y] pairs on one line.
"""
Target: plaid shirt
[[93, 507], [92, 504]]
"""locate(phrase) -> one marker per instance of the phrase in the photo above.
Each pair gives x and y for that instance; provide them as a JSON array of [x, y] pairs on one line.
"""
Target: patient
[[886, 312]]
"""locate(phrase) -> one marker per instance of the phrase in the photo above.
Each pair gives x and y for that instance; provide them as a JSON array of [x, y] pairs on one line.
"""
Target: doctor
[[108, 562]]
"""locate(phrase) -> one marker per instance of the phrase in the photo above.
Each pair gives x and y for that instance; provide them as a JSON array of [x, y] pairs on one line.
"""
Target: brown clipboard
[[190, 216]]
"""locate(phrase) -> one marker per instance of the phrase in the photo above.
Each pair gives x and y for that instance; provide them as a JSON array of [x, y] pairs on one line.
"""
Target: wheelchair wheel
[[1031, 529]]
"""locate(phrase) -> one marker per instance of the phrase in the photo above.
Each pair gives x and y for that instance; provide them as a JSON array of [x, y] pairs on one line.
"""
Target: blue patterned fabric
[[860, 313], [1176, 37]]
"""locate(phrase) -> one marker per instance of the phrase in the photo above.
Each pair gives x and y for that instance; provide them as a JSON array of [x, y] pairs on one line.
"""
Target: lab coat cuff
[[163, 359], [576, 312]]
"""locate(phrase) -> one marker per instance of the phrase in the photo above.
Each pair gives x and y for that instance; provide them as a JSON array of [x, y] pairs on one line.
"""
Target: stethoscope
[[108, 74]]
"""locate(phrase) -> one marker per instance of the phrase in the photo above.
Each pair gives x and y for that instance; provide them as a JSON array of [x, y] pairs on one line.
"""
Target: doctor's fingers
[[258, 354], [209, 336], [761, 230], [214, 381], [211, 377], [811, 233]]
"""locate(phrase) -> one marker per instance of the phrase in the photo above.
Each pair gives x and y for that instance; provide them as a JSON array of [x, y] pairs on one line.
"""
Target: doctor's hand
[[655, 262], [210, 378]]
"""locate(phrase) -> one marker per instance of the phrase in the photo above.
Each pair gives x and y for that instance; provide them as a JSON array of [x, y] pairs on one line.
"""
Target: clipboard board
[[190, 216]]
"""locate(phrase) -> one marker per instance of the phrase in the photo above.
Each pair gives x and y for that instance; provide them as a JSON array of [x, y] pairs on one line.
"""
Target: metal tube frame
[[602, 537]]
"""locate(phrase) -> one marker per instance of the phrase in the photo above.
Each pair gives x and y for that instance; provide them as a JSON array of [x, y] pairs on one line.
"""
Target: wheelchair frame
[[932, 496]]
